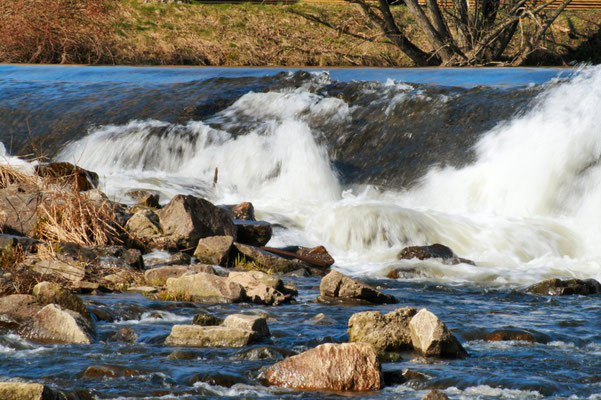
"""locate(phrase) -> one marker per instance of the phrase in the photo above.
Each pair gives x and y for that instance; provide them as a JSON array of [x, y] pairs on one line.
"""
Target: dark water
[[381, 127]]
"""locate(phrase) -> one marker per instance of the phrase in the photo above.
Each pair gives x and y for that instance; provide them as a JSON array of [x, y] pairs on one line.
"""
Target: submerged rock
[[216, 250], [337, 285], [386, 332], [558, 287], [186, 219], [109, 371], [264, 353], [52, 324], [436, 250], [206, 288], [431, 337], [435, 395], [338, 367], [219, 379], [127, 335]]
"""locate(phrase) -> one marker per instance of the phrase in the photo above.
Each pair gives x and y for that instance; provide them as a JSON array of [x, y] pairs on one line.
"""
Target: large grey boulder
[[52, 324], [186, 219], [262, 288], [558, 287], [386, 332], [216, 250], [210, 336], [207, 288], [336, 367], [338, 286], [431, 337]]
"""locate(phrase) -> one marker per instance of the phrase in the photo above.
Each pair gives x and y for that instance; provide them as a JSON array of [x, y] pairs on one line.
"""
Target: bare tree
[[465, 33]]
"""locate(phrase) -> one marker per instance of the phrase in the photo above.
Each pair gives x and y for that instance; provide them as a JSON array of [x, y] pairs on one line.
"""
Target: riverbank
[[132, 32]]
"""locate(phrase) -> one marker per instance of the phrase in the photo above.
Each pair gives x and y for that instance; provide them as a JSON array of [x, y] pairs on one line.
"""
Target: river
[[501, 165]]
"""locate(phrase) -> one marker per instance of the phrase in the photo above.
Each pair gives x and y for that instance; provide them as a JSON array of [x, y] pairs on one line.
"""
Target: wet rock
[[411, 375], [432, 338], [187, 219], [244, 211], [30, 391], [262, 288], [254, 323], [206, 319], [19, 307], [432, 251], [322, 319], [206, 288], [516, 334], [216, 250], [254, 233], [386, 332], [65, 173], [318, 253], [182, 355], [144, 198], [19, 209], [210, 336], [52, 324], [435, 395], [264, 353], [127, 335], [144, 224], [159, 276], [48, 292], [558, 287], [341, 286], [337, 367], [109, 371], [219, 379], [266, 261]]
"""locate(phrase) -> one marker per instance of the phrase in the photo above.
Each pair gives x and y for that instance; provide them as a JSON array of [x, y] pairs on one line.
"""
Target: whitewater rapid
[[526, 209]]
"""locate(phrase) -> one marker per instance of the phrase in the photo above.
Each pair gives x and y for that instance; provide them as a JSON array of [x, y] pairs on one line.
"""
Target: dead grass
[[10, 174]]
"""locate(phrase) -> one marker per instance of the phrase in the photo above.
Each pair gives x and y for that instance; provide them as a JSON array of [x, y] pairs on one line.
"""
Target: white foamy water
[[525, 210]]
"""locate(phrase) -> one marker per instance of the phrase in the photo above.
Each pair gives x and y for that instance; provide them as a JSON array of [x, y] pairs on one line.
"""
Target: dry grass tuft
[[72, 217], [10, 175]]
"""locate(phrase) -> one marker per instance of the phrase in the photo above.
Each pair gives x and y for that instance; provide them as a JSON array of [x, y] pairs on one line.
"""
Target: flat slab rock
[[338, 367], [210, 336], [337, 285]]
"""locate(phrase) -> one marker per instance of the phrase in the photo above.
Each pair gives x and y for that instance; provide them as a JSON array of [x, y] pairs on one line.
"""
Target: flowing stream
[[501, 165]]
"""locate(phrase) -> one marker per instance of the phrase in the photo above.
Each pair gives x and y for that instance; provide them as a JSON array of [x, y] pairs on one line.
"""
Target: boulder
[[244, 211], [254, 233], [48, 292], [210, 336], [144, 224], [254, 323], [386, 332], [216, 250], [187, 218], [19, 307], [52, 324], [318, 253], [337, 285], [435, 395], [29, 391], [431, 337], [65, 173], [159, 276], [217, 378], [206, 319], [337, 367], [436, 250], [206, 288], [558, 287], [262, 288], [19, 209], [264, 260], [517, 334], [144, 198]]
